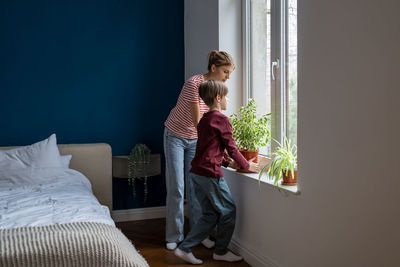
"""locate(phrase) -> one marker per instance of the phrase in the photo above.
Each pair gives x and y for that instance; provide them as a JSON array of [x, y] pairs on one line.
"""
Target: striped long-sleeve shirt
[[180, 120]]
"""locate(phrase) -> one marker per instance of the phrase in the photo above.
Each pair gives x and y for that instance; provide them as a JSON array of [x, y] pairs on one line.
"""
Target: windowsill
[[289, 189]]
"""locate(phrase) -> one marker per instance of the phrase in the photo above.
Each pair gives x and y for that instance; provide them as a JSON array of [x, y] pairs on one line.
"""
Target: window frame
[[279, 55]]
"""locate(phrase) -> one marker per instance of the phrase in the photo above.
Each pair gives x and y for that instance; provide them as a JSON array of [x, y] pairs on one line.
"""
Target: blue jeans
[[179, 153], [218, 209]]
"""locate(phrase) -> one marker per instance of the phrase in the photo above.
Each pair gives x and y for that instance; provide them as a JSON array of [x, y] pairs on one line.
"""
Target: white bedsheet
[[38, 197]]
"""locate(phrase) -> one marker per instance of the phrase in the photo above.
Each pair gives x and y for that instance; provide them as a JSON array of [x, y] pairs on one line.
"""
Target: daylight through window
[[271, 63]]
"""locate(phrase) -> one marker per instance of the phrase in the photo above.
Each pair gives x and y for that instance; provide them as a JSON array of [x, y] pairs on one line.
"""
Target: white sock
[[208, 243], [229, 256], [188, 257], [171, 245]]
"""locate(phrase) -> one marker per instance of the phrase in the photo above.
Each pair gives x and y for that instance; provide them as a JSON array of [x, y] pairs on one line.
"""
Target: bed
[[55, 203]]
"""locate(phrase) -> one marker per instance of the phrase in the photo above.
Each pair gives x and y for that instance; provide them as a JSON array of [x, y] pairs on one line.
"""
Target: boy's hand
[[254, 167]]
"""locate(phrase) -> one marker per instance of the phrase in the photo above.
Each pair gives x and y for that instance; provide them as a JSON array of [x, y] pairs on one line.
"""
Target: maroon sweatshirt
[[214, 135]]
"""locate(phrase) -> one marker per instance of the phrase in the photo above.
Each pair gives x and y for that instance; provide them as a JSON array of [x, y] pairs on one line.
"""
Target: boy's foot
[[171, 245], [208, 243], [188, 257], [229, 256]]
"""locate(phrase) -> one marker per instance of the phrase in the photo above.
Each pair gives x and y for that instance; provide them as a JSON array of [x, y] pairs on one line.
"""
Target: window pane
[[273, 44], [260, 54], [291, 83], [260, 47]]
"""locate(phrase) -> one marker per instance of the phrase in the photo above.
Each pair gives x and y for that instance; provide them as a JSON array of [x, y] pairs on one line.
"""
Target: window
[[270, 56]]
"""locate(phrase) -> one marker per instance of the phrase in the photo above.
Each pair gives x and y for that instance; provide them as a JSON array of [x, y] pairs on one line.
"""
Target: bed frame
[[95, 162]]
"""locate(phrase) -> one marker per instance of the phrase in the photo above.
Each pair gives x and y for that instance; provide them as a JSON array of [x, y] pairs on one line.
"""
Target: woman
[[180, 137]]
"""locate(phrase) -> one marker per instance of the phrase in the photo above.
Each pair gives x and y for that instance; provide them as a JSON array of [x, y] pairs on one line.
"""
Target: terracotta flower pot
[[248, 155], [288, 180]]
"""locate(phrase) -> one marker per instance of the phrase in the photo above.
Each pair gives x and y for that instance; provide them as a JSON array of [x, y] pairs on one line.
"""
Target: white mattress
[[39, 197]]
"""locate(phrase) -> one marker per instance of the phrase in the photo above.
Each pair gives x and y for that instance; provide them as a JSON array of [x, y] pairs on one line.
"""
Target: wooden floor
[[148, 237]]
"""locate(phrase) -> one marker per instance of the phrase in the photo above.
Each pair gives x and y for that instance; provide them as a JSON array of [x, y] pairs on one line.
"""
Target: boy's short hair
[[209, 89]]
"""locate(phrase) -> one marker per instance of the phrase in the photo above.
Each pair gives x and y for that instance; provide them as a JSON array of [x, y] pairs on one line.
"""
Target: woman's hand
[[233, 165]]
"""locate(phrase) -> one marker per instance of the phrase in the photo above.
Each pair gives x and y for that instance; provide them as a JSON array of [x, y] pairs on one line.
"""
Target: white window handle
[[275, 64]]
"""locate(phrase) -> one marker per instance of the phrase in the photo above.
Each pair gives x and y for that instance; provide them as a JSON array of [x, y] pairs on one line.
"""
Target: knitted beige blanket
[[71, 244]]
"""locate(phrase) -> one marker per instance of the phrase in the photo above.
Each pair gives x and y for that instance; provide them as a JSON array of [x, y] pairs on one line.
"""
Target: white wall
[[348, 141], [230, 40], [209, 25], [200, 34]]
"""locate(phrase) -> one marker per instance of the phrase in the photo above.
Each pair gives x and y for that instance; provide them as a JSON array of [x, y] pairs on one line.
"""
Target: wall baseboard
[[252, 257], [138, 214]]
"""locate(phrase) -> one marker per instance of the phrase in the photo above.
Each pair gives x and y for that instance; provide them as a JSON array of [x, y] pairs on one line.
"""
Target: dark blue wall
[[91, 71]]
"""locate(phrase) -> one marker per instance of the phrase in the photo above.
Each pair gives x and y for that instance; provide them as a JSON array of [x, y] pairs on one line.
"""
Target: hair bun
[[219, 58]]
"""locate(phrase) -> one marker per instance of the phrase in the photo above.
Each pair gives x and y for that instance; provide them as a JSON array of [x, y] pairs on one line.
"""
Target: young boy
[[214, 136]]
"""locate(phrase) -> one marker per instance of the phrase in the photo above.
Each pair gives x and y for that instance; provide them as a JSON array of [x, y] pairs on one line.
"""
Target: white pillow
[[43, 154], [65, 160]]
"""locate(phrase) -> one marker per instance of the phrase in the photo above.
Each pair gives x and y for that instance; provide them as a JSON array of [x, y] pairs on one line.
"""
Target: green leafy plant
[[251, 132], [138, 164], [284, 159]]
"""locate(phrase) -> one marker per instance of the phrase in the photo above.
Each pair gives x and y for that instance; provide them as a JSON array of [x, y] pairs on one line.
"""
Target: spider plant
[[138, 164], [284, 160]]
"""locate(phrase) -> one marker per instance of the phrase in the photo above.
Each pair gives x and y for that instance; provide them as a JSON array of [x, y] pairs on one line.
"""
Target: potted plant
[[251, 132], [138, 164], [283, 164]]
